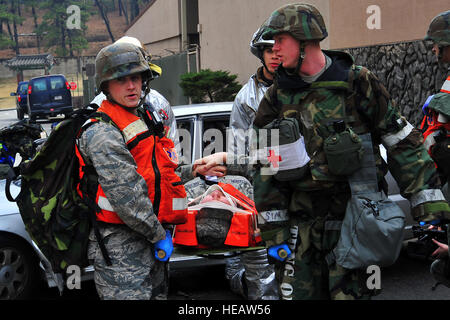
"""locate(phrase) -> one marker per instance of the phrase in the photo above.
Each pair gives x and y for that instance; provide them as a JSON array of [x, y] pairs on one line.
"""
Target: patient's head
[[216, 195]]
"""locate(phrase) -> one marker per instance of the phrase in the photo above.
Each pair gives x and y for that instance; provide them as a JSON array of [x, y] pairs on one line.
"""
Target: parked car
[[49, 96], [21, 99]]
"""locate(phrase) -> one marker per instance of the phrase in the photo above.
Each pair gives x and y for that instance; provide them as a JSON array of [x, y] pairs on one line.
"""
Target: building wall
[[401, 20], [159, 27], [164, 47], [409, 71], [227, 28]]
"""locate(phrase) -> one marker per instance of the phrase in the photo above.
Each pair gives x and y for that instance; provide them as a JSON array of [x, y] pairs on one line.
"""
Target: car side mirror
[[12, 94]]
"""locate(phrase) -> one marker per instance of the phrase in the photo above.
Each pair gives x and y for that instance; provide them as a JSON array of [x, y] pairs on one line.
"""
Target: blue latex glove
[[279, 252], [164, 248], [434, 222]]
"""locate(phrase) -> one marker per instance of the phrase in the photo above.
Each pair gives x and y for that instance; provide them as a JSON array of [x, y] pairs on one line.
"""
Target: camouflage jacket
[[354, 94]]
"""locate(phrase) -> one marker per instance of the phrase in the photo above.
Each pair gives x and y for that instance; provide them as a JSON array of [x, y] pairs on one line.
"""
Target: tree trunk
[[125, 10], [11, 37], [119, 3], [63, 36], [69, 36], [134, 9], [105, 19], [38, 42], [19, 12], [16, 36]]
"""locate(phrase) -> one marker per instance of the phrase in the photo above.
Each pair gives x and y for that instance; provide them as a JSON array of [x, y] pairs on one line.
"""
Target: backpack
[[56, 217], [16, 138]]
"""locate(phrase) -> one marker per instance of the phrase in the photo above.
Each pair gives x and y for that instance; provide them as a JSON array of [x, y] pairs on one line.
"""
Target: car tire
[[19, 268], [20, 114]]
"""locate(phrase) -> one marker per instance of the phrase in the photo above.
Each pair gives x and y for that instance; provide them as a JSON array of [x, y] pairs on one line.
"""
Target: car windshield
[[39, 85]]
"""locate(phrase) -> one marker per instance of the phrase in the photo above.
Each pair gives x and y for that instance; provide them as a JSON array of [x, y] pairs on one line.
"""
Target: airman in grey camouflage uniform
[[134, 272]]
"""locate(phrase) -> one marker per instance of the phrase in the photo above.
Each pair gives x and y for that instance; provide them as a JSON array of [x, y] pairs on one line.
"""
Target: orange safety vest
[[156, 161]]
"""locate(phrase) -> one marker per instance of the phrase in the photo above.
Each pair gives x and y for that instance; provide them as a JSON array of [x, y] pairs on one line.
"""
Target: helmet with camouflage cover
[[439, 30], [120, 60], [302, 21]]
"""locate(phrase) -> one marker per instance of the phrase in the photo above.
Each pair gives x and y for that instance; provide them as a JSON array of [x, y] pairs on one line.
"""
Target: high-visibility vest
[[156, 161]]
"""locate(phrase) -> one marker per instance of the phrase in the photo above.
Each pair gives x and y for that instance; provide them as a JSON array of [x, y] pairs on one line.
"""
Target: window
[[57, 83], [215, 134], [23, 88], [40, 85], [185, 129]]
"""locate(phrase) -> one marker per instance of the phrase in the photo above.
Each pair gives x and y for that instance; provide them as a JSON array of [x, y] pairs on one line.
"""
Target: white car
[[22, 264]]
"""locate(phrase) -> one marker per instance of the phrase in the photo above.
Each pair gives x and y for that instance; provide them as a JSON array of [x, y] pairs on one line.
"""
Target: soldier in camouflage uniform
[[319, 89], [135, 273], [439, 34]]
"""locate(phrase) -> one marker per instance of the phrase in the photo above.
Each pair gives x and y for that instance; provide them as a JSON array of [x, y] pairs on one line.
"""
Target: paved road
[[9, 116], [407, 279]]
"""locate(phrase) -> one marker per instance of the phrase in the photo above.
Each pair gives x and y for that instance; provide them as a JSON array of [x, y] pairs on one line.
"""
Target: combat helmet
[[119, 60], [439, 30], [302, 21], [156, 70], [258, 44]]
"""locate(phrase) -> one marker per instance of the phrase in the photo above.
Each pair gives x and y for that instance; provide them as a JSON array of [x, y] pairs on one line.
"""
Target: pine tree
[[54, 28], [210, 86]]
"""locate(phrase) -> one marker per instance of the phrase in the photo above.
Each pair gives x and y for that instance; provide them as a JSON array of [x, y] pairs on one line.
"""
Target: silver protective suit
[[249, 274], [244, 110]]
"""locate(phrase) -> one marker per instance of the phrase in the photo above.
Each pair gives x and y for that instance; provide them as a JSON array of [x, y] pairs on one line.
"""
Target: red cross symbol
[[273, 159]]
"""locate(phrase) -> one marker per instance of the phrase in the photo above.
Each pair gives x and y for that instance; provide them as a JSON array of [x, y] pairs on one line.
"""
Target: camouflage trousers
[[307, 275], [134, 274]]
